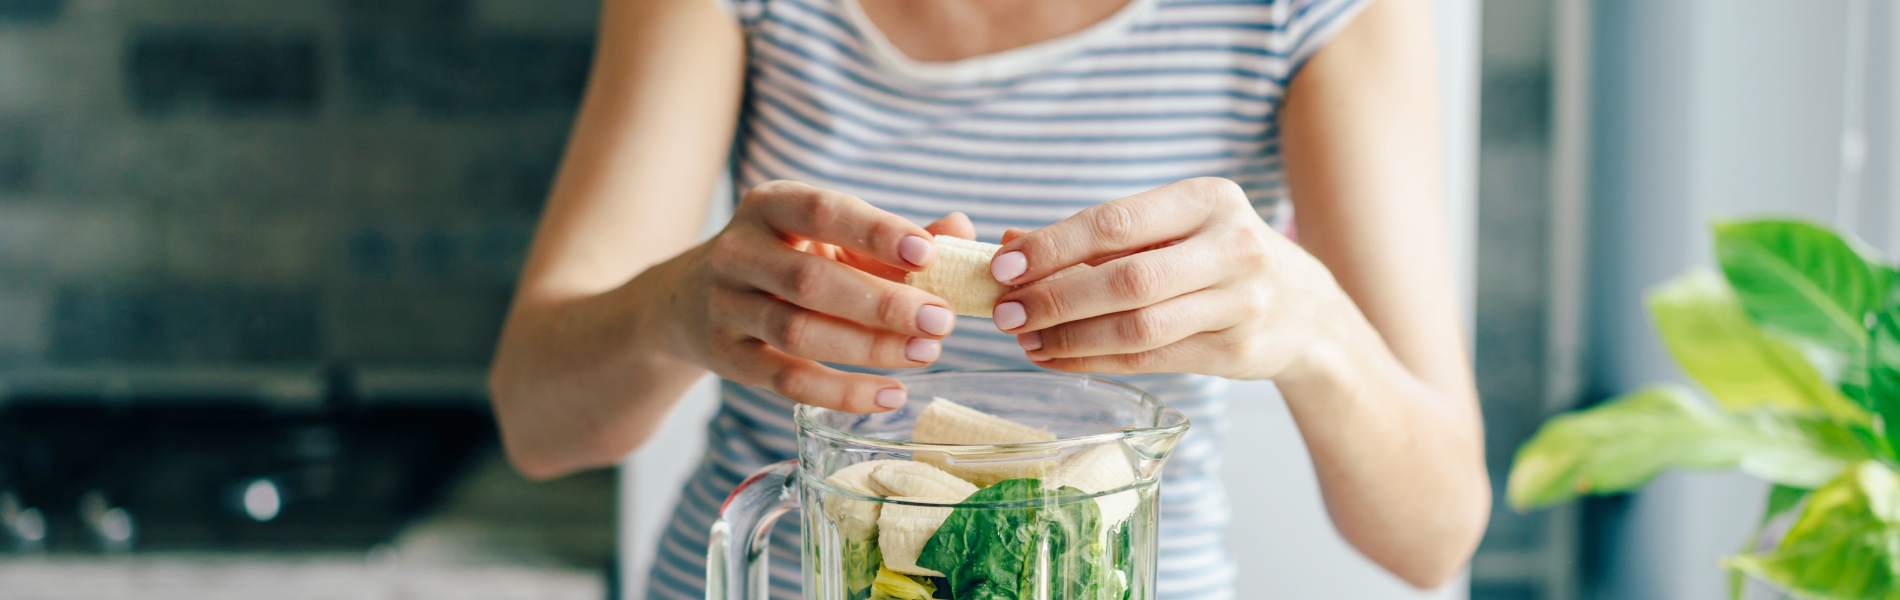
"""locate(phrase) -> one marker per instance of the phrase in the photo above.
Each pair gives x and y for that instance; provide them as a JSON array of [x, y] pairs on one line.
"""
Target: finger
[[1010, 235], [800, 211], [1126, 283], [956, 225], [1137, 330], [817, 336], [833, 288], [953, 225], [1199, 353], [1125, 224], [753, 362]]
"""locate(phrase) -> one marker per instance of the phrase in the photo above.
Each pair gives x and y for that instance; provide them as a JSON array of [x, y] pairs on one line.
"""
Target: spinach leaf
[[1621, 444], [862, 560], [991, 553], [1743, 367], [1846, 543]]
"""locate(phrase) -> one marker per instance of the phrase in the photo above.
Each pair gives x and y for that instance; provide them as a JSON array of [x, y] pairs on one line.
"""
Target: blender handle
[[736, 555]]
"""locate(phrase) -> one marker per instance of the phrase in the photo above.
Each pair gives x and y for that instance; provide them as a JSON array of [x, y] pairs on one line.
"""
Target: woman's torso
[[1162, 90]]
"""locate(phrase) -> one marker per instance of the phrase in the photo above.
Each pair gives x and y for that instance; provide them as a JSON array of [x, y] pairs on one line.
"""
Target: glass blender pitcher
[[1026, 534]]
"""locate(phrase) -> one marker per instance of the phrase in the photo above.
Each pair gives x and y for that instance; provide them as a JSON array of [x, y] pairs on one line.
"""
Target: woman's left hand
[[1188, 279]]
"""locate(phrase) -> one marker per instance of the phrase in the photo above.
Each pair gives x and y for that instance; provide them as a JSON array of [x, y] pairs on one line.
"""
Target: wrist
[[659, 299], [1335, 358]]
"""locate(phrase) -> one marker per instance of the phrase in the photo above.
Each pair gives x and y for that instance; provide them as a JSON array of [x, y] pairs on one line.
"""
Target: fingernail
[[1009, 266], [1041, 358], [1010, 315], [935, 320], [1030, 341], [923, 349], [915, 250], [891, 398]]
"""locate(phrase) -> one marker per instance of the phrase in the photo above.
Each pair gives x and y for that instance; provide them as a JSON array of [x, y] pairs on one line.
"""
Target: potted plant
[[1797, 343]]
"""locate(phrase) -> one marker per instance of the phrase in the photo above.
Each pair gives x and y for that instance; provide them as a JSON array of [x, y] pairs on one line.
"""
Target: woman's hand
[[803, 275], [1188, 279]]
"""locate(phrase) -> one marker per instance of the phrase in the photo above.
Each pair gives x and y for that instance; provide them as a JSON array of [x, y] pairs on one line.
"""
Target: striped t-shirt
[[1163, 90]]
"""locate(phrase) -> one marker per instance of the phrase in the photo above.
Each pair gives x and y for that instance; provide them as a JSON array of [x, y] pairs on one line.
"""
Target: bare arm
[[1388, 407], [576, 381], [618, 312], [1359, 328]]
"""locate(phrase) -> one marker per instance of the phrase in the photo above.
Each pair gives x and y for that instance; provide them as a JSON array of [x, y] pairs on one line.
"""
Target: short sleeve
[[1309, 24]]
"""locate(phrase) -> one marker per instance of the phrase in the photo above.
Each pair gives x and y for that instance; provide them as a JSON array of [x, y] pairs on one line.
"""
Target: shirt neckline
[[1014, 62]]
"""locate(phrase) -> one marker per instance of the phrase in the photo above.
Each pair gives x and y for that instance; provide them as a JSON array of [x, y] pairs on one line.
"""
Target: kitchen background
[[253, 256]]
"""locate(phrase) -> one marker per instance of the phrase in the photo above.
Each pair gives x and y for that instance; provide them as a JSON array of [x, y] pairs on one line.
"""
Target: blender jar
[[1025, 534]]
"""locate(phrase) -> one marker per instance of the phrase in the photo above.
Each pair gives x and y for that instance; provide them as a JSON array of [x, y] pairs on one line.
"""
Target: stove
[[314, 460]]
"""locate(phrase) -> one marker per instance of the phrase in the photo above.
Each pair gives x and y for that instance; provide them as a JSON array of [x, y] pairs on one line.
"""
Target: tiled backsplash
[[250, 183]]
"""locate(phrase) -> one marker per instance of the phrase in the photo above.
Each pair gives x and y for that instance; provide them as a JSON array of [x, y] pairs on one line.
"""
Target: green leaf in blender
[[862, 561], [990, 553], [892, 585]]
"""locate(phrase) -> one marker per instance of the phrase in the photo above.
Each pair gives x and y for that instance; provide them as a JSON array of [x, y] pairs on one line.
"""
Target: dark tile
[[407, 324], [20, 156], [170, 324], [223, 72], [407, 14], [370, 253], [30, 10], [1516, 105], [514, 180], [446, 73]]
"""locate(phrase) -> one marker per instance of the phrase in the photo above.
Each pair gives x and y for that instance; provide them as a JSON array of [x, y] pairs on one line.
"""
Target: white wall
[[1707, 109]]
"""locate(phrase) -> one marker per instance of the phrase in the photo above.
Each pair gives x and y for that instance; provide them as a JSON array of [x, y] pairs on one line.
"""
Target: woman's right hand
[[803, 275]]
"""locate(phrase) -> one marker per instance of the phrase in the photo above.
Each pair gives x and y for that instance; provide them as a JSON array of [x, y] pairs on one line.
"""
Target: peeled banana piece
[[946, 422], [856, 519], [1097, 470], [961, 275], [918, 479], [903, 529]]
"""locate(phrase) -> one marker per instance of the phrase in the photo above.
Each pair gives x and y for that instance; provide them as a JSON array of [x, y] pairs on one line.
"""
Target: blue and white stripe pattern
[[1161, 91]]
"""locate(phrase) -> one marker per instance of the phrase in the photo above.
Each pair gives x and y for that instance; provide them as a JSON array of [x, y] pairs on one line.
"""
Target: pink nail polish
[[923, 349], [891, 398], [1008, 266], [1010, 315], [935, 320], [914, 250], [1030, 341]]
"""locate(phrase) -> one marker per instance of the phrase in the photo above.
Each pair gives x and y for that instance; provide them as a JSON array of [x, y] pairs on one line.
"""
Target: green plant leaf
[[1803, 279], [1622, 444], [1883, 367], [1781, 499], [1846, 544], [1744, 368]]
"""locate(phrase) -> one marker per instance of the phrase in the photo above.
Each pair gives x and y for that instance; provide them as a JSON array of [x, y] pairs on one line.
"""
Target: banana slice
[[946, 422], [1097, 470], [961, 274], [919, 480], [856, 519], [902, 531]]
